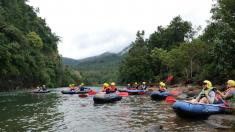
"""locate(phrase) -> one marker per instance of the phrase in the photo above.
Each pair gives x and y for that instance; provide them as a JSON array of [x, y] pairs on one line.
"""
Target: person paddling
[[113, 87], [229, 92], [162, 87], [44, 88], [143, 86], [136, 85], [207, 94], [81, 86], [105, 88], [72, 87], [128, 86]]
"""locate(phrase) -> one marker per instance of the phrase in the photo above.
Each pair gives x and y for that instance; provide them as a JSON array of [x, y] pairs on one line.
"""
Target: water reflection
[[54, 111]]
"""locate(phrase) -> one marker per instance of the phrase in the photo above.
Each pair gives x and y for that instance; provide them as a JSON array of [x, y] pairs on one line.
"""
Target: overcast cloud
[[91, 27]]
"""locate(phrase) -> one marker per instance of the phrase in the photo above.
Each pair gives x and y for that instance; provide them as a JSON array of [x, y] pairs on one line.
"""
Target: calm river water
[[25, 111]]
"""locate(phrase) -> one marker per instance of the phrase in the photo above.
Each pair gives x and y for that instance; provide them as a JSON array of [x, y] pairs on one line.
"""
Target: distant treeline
[[98, 69], [28, 49], [178, 50]]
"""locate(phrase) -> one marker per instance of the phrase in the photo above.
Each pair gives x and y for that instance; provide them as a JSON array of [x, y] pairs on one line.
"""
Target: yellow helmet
[[128, 84], [113, 84], [136, 83], [162, 84], [82, 84], [144, 82], [106, 84], [207, 83], [231, 83]]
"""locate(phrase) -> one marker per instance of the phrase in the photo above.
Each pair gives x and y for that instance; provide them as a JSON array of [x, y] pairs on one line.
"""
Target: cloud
[[91, 27]]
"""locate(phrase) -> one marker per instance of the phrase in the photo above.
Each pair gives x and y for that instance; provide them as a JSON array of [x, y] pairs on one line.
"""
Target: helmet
[[231, 83], [144, 82], [136, 83], [207, 83], [113, 84], [162, 84], [106, 84], [81, 84], [128, 84]]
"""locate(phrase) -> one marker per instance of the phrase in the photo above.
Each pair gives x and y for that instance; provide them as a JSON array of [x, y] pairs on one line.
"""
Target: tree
[[135, 65], [220, 34]]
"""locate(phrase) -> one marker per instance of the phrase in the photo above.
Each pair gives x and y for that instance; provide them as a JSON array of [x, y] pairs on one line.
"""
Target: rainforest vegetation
[[178, 50], [28, 49]]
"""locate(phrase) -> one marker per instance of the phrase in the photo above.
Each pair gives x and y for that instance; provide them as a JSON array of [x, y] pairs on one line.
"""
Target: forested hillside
[[97, 69], [28, 49], [176, 49]]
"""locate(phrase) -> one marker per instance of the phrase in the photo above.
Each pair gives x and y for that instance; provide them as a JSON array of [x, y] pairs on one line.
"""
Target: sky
[[92, 27]]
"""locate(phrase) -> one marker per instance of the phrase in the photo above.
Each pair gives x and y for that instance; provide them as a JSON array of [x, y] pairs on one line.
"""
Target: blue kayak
[[135, 92], [187, 109], [101, 98], [156, 95]]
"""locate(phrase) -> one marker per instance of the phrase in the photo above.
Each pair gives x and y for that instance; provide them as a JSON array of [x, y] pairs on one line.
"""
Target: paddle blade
[[170, 99], [91, 92], [123, 94], [175, 92]]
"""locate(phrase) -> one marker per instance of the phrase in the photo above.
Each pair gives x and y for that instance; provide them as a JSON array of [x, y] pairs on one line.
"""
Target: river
[[25, 111]]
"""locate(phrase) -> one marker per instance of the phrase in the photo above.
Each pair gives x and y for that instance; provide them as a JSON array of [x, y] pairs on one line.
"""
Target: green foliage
[[185, 60], [178, 31], [220, 34], [35, 40], [175, 50], [98, 69], [28, 49], [135, 65]]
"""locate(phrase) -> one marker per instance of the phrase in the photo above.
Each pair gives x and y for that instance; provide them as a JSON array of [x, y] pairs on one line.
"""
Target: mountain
[[125, 50], [97, 69]]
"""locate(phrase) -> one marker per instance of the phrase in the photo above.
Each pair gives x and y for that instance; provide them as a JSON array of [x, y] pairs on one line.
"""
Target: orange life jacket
[[104, 88], [162, 89], [112, 88]]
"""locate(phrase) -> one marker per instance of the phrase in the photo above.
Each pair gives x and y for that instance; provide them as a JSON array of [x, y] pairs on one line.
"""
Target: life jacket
[[202, 93], [72, 88], [162, 89], [113, 88], [231, 103], [104, 88], [219, 99]]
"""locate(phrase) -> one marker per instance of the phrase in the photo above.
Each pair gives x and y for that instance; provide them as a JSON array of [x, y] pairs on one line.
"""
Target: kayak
[[197, 110], [73, 92], [101, 98], [136, 92], [156, 95], [45, 91]]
